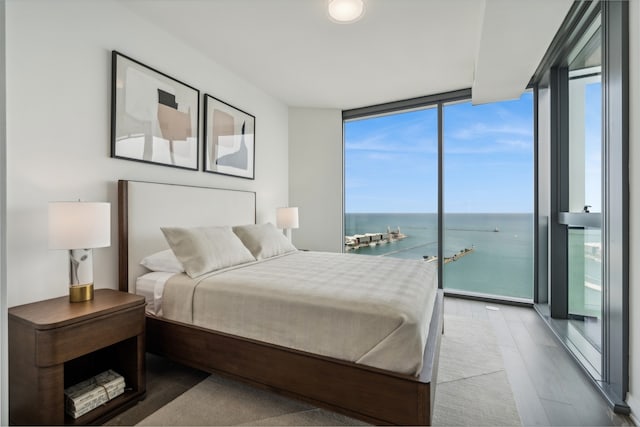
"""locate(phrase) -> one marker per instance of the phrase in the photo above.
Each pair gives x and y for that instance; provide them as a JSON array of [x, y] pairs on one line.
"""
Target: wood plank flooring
[[548, 387]]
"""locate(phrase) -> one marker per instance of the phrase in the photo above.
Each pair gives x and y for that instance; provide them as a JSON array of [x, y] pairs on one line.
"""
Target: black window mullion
[[558, 241], [440, 196]]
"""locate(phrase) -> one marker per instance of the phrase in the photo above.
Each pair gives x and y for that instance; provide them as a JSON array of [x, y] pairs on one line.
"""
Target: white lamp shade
[[79, 225], [287, 218]]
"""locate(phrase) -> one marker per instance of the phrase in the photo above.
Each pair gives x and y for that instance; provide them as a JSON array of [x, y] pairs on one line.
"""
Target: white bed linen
[[369, 310], [151, 287]]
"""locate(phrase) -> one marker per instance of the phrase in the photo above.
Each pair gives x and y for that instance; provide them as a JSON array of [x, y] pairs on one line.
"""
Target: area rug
[[473, 390]]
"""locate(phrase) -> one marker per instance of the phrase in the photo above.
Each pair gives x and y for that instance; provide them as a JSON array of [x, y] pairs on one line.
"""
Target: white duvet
[[369, 310]]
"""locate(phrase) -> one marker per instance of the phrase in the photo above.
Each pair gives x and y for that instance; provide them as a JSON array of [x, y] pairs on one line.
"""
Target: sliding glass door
[[582, 194], [584, 181]]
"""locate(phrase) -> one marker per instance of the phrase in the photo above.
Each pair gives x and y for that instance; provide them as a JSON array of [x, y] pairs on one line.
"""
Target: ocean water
[[501, 262]]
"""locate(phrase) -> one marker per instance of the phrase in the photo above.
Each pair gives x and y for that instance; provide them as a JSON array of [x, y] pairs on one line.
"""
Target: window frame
[[550, 284]]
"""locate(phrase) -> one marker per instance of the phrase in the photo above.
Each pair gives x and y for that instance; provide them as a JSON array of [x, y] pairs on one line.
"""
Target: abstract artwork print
[[154, 117], [229, 135]]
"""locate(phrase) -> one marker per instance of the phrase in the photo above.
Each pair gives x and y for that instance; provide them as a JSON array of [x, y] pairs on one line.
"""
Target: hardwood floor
[[548, 387]]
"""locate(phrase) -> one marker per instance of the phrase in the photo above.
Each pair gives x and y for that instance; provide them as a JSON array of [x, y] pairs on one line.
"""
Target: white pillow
[[205, 249], [163, 261], [263, 240]]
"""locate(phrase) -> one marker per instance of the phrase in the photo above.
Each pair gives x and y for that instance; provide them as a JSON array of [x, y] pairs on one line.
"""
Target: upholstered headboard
[[144, 207]]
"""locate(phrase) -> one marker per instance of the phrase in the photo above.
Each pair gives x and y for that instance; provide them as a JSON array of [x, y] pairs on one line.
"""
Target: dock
[[358, 241], [448, 259]]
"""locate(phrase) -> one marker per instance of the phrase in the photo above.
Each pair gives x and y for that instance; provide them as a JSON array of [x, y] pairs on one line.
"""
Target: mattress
[[369, 310]]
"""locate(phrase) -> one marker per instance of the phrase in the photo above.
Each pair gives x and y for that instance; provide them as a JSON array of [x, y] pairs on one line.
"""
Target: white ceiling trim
[[515, 36]]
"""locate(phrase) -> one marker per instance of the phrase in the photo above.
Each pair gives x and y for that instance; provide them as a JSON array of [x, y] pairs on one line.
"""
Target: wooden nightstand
[[54, 344]]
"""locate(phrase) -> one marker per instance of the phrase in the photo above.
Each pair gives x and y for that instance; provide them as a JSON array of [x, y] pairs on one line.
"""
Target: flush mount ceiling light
[[346, 11]]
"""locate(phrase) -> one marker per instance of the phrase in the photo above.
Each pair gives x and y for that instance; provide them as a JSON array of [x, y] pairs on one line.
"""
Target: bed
[[369, 389]]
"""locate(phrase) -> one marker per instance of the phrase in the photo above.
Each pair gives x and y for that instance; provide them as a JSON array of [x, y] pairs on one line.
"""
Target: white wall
[[633, 398], [58, 125], [316, 177], [4, 404]]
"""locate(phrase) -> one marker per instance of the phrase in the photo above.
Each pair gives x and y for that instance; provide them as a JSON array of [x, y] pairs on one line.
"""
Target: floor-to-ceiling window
[[391, 184], [484, 154], [488, 198]]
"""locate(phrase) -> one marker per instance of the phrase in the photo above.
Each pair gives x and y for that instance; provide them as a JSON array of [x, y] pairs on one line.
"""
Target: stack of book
[[87, 395]]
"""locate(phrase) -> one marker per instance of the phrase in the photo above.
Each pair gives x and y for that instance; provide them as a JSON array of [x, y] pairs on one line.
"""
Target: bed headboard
[[144, 207]]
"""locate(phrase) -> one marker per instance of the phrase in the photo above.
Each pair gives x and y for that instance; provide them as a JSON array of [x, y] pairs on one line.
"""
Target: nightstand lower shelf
[[116, 357]]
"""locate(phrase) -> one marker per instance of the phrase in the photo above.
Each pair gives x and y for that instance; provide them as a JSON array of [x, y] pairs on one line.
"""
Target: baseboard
[[634, 404]]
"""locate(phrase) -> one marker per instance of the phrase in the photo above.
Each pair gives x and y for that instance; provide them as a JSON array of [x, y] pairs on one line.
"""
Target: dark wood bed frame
[[370, 394]]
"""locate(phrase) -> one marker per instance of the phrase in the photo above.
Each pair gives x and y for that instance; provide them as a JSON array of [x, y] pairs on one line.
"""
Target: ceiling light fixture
[[346, 11]]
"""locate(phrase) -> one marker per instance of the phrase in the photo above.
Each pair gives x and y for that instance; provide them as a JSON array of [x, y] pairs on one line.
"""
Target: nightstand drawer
[[59, 345]]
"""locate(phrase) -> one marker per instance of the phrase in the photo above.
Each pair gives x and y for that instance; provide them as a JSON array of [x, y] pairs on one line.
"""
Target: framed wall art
[[229, 139], [154, 117]]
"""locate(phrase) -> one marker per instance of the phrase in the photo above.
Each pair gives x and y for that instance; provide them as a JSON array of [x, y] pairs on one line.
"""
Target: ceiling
[[400, 49]]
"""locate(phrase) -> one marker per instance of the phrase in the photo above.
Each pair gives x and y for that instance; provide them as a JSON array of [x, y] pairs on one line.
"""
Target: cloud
[[391, 160], [413, 132], [481, 130], [484, 147], [476, 139], [382, 156], [382, 145]]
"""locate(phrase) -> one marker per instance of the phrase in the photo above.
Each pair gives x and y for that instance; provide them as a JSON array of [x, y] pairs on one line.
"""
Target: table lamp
[[287, 218], [79, 227]]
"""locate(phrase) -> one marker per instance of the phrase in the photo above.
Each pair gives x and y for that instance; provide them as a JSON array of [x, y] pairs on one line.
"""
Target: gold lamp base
[[81, 293]]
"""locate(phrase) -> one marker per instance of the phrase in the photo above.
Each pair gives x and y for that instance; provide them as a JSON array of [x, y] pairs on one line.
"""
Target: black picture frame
[[229, 139], [154, 117]]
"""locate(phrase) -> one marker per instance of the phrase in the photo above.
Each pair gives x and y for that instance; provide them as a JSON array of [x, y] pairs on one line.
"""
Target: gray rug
[[472, 390]]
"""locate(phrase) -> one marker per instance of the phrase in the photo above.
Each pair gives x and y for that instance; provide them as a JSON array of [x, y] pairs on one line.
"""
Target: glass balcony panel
[[585, 293]]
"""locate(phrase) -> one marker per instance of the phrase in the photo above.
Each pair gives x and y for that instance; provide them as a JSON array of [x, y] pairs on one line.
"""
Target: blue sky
[[391, 162], [593, 146]]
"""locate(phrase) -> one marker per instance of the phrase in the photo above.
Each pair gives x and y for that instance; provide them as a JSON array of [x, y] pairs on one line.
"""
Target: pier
[[448, 259], [358, 241]]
